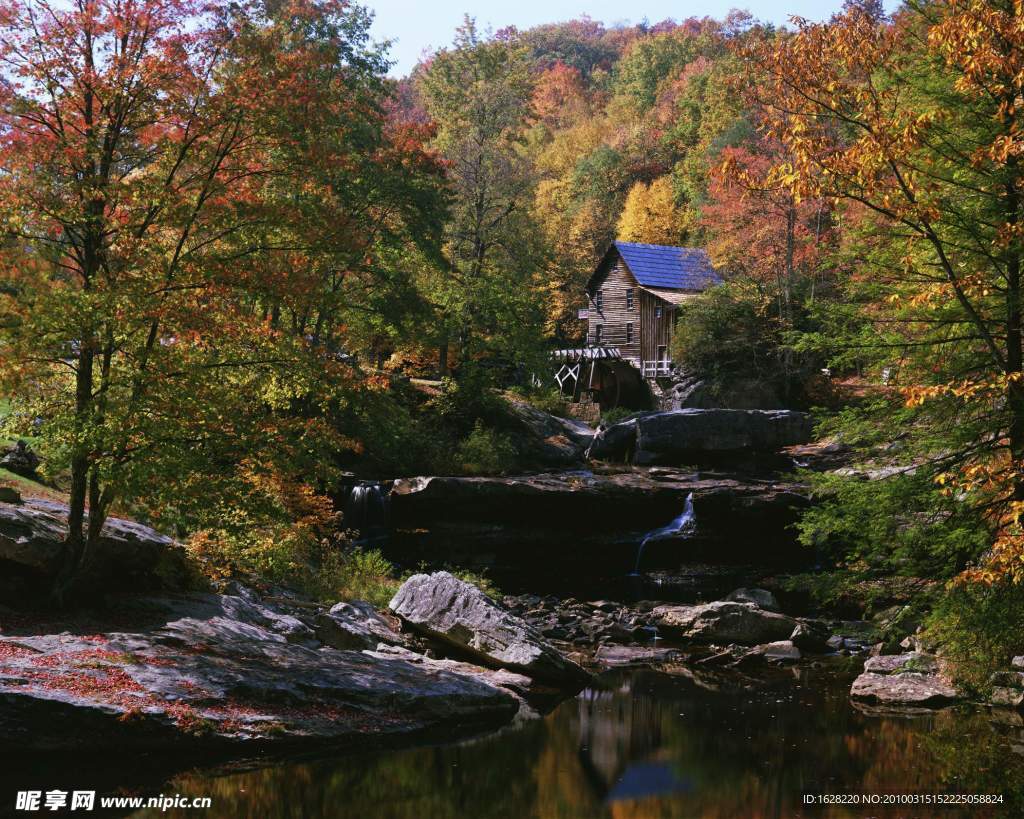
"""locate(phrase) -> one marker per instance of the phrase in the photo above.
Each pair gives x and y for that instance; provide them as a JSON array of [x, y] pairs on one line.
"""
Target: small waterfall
[[682, 526], [366, 510], [598, 435]]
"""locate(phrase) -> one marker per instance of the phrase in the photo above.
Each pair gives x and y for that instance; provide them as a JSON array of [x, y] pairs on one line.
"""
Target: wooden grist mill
[[633, 300]]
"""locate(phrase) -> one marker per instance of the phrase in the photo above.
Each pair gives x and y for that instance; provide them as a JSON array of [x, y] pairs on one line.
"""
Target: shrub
[[731, 335], [550, 401], [978, 628], [465, 401], [302, 549], [327, 570], [896, 525], [354, 574], [613, 416], [485, 452]]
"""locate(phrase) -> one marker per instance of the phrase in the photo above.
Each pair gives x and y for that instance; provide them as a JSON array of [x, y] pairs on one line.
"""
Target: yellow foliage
[[651, 215]]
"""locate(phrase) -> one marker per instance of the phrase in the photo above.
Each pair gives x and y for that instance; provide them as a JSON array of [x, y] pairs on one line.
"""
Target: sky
[[417, 26]]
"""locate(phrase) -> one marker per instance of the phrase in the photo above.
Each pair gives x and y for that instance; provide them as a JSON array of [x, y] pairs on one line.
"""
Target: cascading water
[[682, 526], [598, 435], [366, 511]]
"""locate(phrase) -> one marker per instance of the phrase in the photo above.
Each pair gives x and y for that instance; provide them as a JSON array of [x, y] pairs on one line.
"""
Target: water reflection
[[648, 745]]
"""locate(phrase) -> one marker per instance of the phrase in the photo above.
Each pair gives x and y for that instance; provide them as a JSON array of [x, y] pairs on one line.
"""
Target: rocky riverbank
[[744, 628], [243, 670], [238, 670]]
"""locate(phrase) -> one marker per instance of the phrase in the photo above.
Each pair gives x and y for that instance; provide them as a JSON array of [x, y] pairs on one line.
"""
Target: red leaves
[[9, 651], [757, 226]]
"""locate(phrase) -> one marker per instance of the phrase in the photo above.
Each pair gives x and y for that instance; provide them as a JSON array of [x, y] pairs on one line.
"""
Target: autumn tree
[[174, 235], [757, 228], [914, 127], [651, 215], [479, 94]]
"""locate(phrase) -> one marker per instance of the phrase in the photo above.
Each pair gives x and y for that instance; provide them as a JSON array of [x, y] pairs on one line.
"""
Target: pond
[[648, 743]]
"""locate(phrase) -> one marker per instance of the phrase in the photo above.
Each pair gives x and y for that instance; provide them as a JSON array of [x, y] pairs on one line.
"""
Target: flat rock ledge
[[226, 671], [912, 680]]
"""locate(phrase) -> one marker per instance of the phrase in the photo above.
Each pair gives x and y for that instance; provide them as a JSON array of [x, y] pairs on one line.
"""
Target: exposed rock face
[[356, 625], [901, 663], [519, 685], [616, 442], [811, 635], [725, 622], [1007, 697], [780, 651], [669, 437], [617, 656], [911, 679], [228, 670], [1008, 688], [583, 623], [127, 556], [546, 439], [445, 608]]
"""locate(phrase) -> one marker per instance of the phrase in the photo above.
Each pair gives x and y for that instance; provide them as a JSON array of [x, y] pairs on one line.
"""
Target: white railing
[[652, 369]]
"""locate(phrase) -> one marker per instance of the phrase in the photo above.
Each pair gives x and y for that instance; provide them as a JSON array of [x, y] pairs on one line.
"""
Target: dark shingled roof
[[676, 268]]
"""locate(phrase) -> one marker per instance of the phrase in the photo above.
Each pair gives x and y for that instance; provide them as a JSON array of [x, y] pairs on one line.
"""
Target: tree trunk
[[442, 358], [1014, 344], [76, 543], [1015, 389]]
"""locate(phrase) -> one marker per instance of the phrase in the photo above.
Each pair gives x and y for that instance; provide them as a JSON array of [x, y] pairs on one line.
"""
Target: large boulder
[[781, 651], [223, 671], [21, 460], [545, 439], [1007, 689], [911, 662], [725, 622], [762, 598], [458, 614], [128, 556], [811, 635], [690, 392], [667, 437], [614, 441], [911, 679]]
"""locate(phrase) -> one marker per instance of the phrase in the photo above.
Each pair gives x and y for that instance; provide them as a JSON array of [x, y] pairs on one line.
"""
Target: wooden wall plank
[[613, 282]]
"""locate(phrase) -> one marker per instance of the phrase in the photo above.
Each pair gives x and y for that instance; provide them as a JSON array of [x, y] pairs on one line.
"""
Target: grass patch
[[31, 489]]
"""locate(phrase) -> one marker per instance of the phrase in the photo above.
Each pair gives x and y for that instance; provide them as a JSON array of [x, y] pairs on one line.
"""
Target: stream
[[665, 741], [656, 743], [641, 742]]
